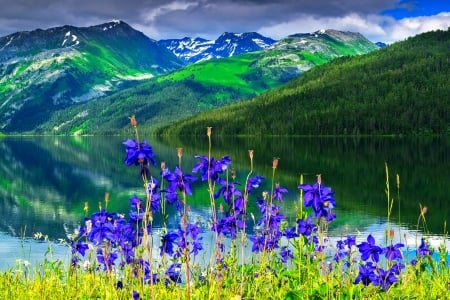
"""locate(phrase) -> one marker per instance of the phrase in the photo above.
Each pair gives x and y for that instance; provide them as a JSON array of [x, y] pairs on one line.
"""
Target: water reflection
[[45, 181]]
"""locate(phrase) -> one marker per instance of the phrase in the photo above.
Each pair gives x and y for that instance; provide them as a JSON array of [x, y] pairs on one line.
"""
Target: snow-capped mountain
[[228, 44], [45, 70]]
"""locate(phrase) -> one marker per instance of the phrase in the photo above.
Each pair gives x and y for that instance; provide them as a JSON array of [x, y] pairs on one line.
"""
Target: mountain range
[[402, 89], [55, 80], [228, 44]]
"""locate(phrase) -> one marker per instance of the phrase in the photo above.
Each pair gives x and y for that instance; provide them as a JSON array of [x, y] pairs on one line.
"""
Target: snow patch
[[7, 43], [137, 76]]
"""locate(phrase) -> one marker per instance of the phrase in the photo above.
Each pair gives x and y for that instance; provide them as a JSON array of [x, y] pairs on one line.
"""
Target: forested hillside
[[205, 85], [401, 89]]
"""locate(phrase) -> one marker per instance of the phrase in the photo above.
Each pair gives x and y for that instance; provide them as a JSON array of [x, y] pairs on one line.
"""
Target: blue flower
[[211, 168], [306, 227], [386, 278], [424, 249], [320, 198], [107, 261], [278, 192], [369, 249], [229, 225], [228, 190], [367, 275], [253, 183], [173, 273], [286, 254], [79, 247], [180, 181], [392, 252], [167, 243], [138, 153]]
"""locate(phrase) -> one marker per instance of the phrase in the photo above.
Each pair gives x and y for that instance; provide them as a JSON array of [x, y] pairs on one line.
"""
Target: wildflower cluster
[[113, 241], [370, 271]]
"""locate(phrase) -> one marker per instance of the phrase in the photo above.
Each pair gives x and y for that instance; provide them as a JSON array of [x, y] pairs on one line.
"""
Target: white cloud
[[404, 28], [374, 27]]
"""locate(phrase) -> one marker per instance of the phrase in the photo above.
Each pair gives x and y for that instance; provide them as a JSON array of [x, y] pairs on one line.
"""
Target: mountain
[[381, 44], [45, 70], [203, 86], [228, 44], [400, 89]]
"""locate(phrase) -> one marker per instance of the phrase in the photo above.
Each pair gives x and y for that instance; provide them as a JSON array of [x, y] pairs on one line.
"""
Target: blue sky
[[379, 20], [409, 9]]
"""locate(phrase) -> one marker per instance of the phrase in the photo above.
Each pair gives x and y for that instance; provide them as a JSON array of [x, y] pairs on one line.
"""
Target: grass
[[277, 260]]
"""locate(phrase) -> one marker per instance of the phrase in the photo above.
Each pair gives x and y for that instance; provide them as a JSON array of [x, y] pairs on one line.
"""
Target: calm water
[[45, 181]]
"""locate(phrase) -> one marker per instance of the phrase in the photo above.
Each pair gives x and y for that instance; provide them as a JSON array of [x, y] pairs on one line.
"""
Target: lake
[[46, 181]]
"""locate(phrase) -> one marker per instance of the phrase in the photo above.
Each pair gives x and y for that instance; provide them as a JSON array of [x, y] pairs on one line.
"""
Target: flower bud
[[208, 131], [163, 165], [133, 121], [180, 152], [275, 162], [250, 154], [319, 179], [424, 210]]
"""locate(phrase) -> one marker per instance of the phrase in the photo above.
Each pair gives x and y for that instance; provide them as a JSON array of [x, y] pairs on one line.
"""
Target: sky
[[378, 20]]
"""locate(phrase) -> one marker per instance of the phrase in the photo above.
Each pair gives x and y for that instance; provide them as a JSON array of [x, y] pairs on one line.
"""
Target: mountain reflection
[[45, 181]]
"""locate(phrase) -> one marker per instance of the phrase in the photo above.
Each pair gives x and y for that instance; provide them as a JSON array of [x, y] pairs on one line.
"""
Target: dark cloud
[[178, 18]]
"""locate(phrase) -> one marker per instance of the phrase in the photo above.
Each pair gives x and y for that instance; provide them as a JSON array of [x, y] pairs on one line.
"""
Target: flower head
[[370, 250], [321, 199], [210, 167], [138, 153]]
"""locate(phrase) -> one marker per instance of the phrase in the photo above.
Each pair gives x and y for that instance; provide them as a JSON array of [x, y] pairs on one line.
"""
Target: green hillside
[[402, 89], [43, 71], [204, 86]]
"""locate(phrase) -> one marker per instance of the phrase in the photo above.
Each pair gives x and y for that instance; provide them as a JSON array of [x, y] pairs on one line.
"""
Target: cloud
[[374, 27], [400, 30], [209, 18]]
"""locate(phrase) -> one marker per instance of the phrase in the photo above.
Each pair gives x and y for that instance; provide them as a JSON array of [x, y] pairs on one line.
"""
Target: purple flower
[[278, 192], [102, 227], [138, 154], [321, 199], [211, 168], [253, 183], [180, 181], [79, 247], [369, 249], [424, 249], [228, 190], [135, 295], [167, 243], [108, 260], [173, 273], [306, 227], [286, 254], [290, 233], [392, 252], [367, 275], [135, 202], [387, 278], [229, 225]]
